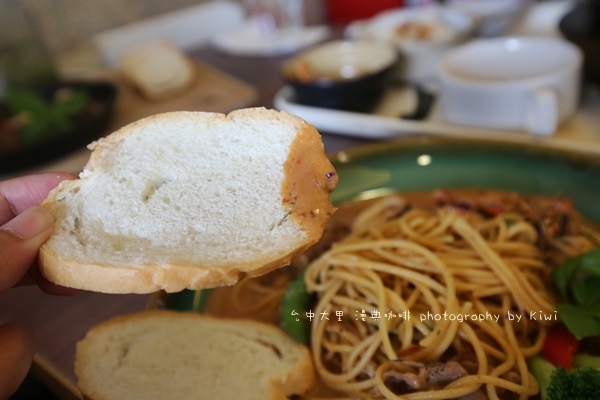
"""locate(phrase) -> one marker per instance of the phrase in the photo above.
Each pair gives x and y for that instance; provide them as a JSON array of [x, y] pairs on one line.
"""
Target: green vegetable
[[586, 360], [541, 369], [576, 384], [187, 300], [43, 118], [294, 306], [558, 383], [577, 281]]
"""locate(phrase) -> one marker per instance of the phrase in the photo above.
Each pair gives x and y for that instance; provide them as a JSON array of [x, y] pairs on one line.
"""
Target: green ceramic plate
[[430, 163]]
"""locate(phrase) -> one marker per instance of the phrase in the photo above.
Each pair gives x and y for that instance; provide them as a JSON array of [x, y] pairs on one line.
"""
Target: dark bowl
[[342, 74], [581, 26], [87, 127]]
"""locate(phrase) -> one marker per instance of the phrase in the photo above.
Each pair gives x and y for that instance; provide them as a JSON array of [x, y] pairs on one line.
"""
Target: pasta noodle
[[434, 304], [437, 302]]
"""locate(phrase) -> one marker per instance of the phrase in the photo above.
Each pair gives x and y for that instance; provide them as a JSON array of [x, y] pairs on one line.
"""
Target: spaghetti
[[408, 293]]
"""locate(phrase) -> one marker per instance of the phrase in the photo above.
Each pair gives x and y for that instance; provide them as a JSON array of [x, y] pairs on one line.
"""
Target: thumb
[[20, 241]]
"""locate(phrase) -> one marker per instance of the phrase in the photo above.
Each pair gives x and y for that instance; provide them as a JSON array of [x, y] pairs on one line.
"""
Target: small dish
[[341, 74], [83, 129], [420, 34]]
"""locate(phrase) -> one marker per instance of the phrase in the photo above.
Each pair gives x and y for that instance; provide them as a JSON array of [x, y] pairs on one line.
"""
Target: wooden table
[[59, 322]]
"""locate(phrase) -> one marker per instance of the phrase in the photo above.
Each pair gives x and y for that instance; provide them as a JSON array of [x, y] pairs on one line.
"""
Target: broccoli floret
[[557, 383], [577, 384]]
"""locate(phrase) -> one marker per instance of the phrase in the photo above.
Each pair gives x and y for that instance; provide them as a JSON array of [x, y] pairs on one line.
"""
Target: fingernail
[[29, 223]]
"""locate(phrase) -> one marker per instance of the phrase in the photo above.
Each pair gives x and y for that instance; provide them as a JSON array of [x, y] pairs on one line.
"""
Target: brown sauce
[[309, 178]]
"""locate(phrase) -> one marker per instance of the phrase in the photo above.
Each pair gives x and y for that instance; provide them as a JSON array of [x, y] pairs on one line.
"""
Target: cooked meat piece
[[443, 197], [552, 216], [429, 375]]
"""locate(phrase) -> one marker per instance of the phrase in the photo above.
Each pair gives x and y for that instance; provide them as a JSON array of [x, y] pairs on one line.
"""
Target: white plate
[[580, 133], [384, 122], [248, 40]]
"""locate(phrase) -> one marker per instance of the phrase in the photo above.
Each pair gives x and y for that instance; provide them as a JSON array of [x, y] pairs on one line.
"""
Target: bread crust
[[64, 269], [289, 379], [150, 278]]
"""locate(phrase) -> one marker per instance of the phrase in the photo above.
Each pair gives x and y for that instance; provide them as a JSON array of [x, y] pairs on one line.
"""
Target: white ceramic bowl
[[420, 34], [517, 83]]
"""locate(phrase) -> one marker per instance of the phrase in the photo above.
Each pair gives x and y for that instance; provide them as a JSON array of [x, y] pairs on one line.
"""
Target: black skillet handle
[[425, 101]]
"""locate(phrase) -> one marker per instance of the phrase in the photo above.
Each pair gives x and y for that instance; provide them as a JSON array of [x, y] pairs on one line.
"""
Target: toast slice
[[173, 355], [190, 200]]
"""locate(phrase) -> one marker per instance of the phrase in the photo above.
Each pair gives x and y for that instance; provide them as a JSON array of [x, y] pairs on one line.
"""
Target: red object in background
[[349, 10]]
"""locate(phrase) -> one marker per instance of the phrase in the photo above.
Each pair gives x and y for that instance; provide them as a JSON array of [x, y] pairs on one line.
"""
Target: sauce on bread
[[309, 178]]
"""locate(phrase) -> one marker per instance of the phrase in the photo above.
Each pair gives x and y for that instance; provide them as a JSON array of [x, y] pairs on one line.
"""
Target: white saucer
[[247, 40], [580, 133]]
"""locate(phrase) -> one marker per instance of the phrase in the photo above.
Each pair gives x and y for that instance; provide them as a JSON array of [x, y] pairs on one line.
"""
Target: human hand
[[25, 227]]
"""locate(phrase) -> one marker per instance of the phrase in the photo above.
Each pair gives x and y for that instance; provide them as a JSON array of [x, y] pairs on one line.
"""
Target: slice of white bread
[[158, 69], [173, 355], [190, 200]]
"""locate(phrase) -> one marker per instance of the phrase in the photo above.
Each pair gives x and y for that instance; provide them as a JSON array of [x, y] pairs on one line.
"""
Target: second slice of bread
[[172, 355], [158, 69], [190, 200]]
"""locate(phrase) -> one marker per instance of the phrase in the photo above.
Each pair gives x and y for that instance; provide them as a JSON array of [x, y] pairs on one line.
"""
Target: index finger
[[18, 194]]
